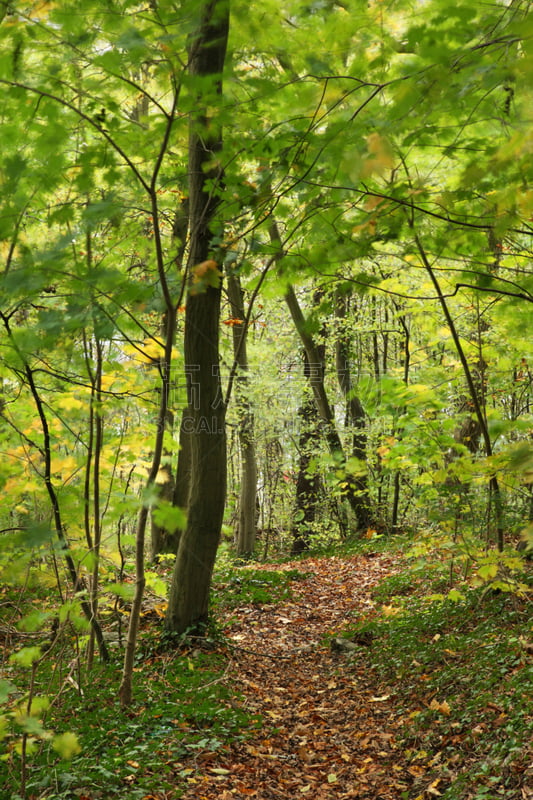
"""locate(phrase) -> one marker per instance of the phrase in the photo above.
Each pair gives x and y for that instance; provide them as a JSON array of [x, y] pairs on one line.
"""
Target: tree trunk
[[248, 488], [182, 483], [480, 420], [163, 541], [358, 502], [355, 413], [189, 591], [397, 481], [307, 483]]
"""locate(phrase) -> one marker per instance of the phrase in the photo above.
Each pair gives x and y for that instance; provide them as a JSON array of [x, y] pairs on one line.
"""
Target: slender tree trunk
[[182, 483], [397, 481], [358, 504], [161, 540], [189, 592], [248, 485], [125, 689], [355, 413], [175, 488], [98, 422], [481, 421], [307, 482], [126, 686], [358, 501]]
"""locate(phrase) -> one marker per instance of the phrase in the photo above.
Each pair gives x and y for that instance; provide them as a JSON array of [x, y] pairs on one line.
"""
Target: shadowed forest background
[[266, 295]]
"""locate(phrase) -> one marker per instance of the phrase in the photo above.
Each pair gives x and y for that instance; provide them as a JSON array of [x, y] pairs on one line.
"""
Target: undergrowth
[[183, 705], [459, 665], [457, 660], [182, 708]]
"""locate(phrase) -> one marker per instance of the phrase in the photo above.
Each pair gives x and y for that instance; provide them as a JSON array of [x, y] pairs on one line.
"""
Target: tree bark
[[163, 541], [191, 580], [355, 413], [308, 483], [247, 526], [182, 483]]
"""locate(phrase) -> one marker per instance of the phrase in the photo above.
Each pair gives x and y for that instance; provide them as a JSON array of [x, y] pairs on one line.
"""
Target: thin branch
[[92, 122]]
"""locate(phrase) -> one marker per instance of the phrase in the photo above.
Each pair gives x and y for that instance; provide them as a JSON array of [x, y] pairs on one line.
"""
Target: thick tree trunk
[[248, 489], [189, 591]]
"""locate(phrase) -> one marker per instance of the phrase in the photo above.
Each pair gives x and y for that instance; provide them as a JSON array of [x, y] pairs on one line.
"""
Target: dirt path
[[329, 729]]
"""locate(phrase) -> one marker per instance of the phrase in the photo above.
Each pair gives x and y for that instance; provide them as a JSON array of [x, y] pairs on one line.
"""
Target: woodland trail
[[329, 728]]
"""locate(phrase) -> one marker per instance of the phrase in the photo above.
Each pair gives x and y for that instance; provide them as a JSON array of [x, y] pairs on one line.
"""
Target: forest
[[266, 399]]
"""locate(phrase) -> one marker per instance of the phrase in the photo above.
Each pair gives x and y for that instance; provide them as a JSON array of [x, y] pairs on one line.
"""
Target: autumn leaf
[[443, 708], [69, 403], [204, 275], [379, 158]]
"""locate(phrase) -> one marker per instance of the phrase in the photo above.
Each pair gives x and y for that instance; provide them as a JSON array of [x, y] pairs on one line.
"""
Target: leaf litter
[[329, 728]]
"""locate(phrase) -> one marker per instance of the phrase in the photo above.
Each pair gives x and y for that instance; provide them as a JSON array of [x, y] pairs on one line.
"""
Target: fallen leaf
[[443, 708]]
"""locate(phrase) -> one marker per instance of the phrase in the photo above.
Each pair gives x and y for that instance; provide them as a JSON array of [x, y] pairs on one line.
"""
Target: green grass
[[462, 681], [182, 707], [236, 586]]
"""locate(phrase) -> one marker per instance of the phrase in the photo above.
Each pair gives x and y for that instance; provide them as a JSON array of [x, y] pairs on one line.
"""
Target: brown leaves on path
[[328, 728]]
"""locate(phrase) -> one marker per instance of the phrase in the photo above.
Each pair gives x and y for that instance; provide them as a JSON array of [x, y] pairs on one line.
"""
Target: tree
[[189, 592], [394, 165], [247, 522]]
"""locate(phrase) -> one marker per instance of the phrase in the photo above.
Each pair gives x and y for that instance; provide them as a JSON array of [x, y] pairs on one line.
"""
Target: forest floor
[[330, 727], [333, 727], [358, 674]]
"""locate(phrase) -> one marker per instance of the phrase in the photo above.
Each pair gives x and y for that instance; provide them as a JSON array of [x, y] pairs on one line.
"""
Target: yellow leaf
[[69, 403], [66, 464], [391, 611], [67, 745], [379, 156], [152, 351]]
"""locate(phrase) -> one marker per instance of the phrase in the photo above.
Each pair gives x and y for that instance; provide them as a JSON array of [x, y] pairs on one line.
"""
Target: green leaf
[[33, 621], [67, 745], [6, 688], [124, 590], [488, 571], [455, 596], [26, 656], [169, 517]]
